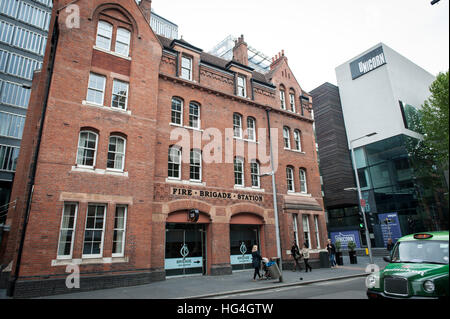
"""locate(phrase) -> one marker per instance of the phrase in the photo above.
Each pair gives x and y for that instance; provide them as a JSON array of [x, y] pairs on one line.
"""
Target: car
[[417, 269]]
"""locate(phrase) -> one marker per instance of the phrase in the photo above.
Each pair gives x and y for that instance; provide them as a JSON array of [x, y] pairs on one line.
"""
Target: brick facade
[[153, 71]]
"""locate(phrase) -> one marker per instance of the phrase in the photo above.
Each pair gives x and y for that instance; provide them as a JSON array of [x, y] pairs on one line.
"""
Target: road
[[354, 288]]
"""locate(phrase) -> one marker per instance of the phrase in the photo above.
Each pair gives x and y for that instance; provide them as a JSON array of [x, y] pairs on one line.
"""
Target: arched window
[[251, 129], [87, 149], [283, 97], [104, 35], [303, 184], [174, 162], [254, 171], [123, 41], [290, 179], [292, 100], [286, 137], [116, 153], [194, 115], [298, 141], [196, 166], [238, 171], [237, 125], [177, 111]]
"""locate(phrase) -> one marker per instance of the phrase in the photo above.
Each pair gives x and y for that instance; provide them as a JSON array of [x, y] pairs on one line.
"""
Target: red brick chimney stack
[[146, 8], [277, 59], [240, 51]]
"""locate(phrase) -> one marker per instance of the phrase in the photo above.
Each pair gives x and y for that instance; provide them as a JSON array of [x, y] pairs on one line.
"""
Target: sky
[[318, 35]]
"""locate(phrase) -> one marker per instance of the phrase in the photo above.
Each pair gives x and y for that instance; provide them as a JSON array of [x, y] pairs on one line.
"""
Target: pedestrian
[[331, 253], [256, 262], [295, 252], [305, 253], [389, 245]]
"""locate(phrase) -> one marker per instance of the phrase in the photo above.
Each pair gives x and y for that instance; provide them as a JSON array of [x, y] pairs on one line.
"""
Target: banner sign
[[345, 237], [392, 229], [215, 194], [368, 62], [181, 263], [241, 259]]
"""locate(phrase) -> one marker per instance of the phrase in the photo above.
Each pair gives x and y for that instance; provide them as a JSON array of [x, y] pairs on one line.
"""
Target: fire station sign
[[215, 194]]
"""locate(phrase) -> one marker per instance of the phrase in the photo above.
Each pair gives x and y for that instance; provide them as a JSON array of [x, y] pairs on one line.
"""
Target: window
[[238, 172], [116, 153], [14, 94], [283, 99], [194, 115], [119, 231], [186, 68], [251, 129], [34, 16], [303, 187], [21, 66], [120, 95], [306, 237], [8, 158], [6, 32], [123, 41], [286, 137], [290, 179], [241, 87], [316, 223], [29, 41], [104, 35], [254, 171], [297, 138], [94, 231], [237, 125], [11, 125], [67, 230], [87, 149], [174, 163], [177, 112], [9, 7], [196, 166], [295, 227], [292, 101], [96, 89]]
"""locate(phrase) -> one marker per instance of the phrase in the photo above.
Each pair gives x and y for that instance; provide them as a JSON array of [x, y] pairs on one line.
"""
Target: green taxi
[[418, 268]]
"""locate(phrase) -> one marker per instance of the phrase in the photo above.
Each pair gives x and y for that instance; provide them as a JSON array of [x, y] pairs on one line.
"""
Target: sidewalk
[[209, 286]]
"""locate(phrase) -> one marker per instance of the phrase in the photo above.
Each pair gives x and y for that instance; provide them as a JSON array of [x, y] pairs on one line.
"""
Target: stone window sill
[[89, 261], [106, 108], [99, 171]]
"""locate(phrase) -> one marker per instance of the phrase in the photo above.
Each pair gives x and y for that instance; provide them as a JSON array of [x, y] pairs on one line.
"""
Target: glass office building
[[23, 36]]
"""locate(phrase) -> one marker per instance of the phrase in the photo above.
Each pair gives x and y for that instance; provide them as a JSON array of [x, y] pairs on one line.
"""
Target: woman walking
[[256, 262], [305, 253]]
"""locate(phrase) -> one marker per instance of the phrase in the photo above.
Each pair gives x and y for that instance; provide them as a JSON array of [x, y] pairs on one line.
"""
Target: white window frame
[[127, 44], [283, 99], [95, 229], [251, 129], [257, 173], [95, 150], [184, 59], [316, 223], [96, 89], [303, 181], [241, 88], [239, 125], [179, 154], [121, 169], [178, 112], [290, 177], [298, 140], [115, 81], [193, 116], [195, 151], [61, 229], [306, 230], [239, 161], [295, 227], [292, 102], [287, 137], [124, 230], [104, 36]]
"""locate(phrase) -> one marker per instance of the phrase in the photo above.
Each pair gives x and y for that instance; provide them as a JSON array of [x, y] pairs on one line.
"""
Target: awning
[[301, 203]]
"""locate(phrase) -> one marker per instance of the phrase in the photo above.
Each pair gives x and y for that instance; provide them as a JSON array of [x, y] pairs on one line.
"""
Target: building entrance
[[185, 249], [242, 239]]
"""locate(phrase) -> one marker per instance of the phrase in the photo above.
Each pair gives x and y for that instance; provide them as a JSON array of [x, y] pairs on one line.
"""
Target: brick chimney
[[146, 6], [277, 59], [240, 51]]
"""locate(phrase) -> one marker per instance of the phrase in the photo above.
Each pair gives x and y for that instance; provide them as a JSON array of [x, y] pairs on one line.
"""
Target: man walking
[[331, 253]]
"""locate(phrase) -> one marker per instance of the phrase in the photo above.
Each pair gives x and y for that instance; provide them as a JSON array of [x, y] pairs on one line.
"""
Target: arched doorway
[[186, 244]]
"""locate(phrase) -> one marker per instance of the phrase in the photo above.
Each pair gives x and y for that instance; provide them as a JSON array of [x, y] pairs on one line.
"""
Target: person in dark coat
[[256, 262], [331, 253], [295, 252], [390, 245]]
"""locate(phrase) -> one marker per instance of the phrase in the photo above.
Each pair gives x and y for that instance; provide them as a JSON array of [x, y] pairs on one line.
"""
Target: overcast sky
[[318, 35]]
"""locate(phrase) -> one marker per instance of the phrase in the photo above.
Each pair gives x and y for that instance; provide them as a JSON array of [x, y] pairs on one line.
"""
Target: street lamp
[[369, 246]]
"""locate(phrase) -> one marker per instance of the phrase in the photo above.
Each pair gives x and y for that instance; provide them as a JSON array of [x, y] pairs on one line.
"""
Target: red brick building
[[128, 133]]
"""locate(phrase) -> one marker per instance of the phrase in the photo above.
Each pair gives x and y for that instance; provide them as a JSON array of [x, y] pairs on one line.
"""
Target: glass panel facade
[[11, 125], [8, 158]]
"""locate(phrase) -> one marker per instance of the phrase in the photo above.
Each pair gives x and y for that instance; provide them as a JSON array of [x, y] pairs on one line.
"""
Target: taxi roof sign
[[422, 236]]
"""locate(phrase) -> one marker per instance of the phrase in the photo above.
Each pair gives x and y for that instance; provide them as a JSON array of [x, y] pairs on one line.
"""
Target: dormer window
[[241, 87], [186, 68]]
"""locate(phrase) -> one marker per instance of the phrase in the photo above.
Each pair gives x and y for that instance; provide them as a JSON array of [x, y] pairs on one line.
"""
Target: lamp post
[[369, 246]]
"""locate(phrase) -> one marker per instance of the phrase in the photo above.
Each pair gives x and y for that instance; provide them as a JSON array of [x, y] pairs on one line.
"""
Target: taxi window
[[421, 251]]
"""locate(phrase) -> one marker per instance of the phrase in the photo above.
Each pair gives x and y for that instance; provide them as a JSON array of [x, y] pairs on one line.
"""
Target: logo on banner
[[184, 251]]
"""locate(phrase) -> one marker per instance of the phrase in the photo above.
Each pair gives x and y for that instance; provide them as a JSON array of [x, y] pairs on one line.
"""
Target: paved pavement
[[213, 286]]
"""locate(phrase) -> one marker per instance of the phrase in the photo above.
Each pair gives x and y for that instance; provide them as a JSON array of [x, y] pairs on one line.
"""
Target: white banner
[[180, 263], [240, 259]]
